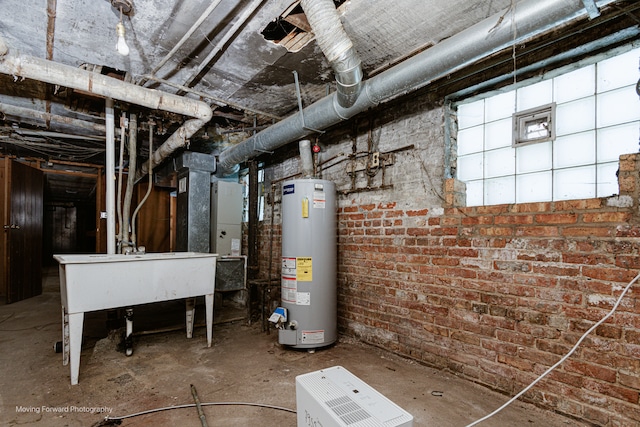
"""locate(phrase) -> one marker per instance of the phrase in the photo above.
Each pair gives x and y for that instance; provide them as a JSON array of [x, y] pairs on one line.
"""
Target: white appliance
[[334, 397]]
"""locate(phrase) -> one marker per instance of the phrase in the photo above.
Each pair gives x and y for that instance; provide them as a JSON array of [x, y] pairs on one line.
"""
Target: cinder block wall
[[496, 294]]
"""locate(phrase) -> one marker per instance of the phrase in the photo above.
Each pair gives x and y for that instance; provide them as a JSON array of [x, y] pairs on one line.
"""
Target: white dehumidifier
[[334, 397]]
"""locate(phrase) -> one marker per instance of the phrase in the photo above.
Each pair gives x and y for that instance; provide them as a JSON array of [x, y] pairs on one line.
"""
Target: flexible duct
[[530, 18], [337, 47], [109, 87]]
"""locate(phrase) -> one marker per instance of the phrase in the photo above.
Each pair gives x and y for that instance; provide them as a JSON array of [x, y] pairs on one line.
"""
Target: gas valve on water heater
[[308, 314]]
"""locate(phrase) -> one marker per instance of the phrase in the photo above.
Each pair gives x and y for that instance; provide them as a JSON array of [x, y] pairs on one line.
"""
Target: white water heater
[[309, 264]]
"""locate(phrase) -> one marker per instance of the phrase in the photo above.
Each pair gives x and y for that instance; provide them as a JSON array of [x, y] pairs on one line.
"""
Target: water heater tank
[[309, 263]]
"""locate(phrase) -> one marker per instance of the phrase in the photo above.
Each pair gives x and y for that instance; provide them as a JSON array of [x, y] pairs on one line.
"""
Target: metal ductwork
[[530, 18], [109, 87], [337, 47]]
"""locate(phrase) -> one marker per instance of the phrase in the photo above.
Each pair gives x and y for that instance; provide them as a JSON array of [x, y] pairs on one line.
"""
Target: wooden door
[[22, 214]]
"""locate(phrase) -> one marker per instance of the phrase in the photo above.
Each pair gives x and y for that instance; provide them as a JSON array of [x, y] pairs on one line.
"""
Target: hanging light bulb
[[121, 45]]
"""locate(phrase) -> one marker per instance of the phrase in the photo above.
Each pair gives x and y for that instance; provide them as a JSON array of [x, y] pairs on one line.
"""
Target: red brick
[[587, 231], [588, 259], [533, 207], [606, 217], [629, 379], [444, 231], [463, 252], [557, 218], [514, 219], [493, 209], [591, 370], [495, 231], [515, 338], [477, 220], [572, 205], [418, 231], [609, 274], [421, 212], [599, 416], [537, 231], [556, 271], [434, 221], [611, 390], [516, 362], [450, 221], [388, 205]]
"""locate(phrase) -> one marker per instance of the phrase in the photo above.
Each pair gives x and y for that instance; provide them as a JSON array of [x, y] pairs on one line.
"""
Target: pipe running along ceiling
[[211, 73]]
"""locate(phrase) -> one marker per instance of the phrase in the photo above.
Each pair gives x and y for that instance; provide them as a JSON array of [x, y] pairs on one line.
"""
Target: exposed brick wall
[[500, 293]]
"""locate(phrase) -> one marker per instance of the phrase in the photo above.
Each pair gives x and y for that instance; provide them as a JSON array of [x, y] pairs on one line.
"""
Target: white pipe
[[123, 134], [42, 70], [110, 177], [76, 78]]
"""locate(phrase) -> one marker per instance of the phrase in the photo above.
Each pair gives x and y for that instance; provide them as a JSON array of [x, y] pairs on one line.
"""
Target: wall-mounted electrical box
[[334, 397]]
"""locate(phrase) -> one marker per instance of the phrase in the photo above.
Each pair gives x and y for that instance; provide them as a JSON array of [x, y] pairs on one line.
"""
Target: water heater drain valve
[[279, 317]]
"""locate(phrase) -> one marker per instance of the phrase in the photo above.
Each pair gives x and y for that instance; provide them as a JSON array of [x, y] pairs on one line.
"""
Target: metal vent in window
[[534, 125]]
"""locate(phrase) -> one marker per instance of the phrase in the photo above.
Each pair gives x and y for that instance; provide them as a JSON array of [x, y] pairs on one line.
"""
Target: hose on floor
[[193, 405]]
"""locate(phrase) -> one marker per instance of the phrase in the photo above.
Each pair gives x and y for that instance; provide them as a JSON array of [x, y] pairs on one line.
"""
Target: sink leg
[[128, 338], [65, 337], [190, 304], [209, 309], [75, 323]]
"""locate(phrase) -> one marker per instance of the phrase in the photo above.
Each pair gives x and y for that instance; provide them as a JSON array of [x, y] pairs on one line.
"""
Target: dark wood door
[[22, 230]]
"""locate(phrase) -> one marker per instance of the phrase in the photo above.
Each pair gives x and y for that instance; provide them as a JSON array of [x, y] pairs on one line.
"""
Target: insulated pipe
[[530, 18], [59, 74], [337, 47], [28, 113]]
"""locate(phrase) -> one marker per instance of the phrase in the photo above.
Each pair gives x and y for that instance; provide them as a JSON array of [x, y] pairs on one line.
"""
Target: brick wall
[[500, 293]]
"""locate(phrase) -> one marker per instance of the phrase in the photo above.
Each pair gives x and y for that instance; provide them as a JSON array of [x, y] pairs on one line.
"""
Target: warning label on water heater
[[289, 289], [304, 269], [288, 267], [296, 270]]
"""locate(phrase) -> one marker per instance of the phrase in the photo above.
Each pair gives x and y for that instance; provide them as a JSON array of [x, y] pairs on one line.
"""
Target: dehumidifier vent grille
[[348, 410]]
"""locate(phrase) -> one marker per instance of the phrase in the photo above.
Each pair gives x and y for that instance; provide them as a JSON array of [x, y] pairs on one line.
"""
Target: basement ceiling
[[238, 56]]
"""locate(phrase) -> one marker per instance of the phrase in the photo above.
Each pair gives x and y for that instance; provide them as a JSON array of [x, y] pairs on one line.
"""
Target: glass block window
[[596, 116]]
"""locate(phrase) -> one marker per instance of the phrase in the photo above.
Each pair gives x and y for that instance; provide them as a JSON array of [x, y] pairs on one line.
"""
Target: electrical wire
[[192, 405], [565, 357]]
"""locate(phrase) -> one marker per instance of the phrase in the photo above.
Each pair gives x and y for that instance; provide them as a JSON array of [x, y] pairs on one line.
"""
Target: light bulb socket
[[120, 29]]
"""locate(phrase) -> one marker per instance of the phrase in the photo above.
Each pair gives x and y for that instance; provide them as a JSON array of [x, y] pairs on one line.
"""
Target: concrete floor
[[243, 365]]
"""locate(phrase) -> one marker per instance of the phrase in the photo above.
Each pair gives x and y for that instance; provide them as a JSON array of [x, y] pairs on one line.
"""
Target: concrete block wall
[[496, 294]]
